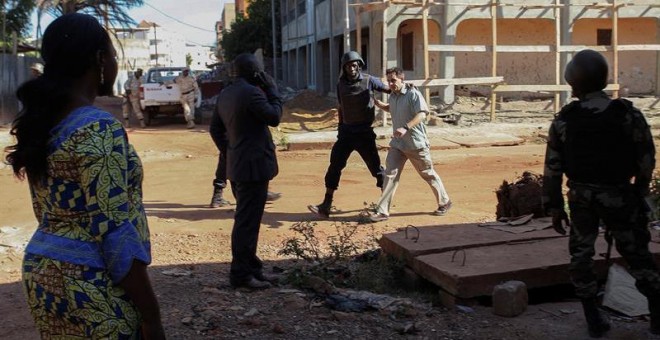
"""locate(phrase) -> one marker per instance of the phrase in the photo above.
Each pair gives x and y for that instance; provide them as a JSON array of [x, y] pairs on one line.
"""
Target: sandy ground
[[187, 236]]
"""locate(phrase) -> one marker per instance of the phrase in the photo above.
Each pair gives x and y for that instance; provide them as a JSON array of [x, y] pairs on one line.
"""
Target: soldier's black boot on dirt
[[654, 308], [597, 324], [217, 200], [322, 209]]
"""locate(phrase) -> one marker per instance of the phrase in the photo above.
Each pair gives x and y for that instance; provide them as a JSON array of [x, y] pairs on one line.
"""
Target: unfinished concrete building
[[507, 47]]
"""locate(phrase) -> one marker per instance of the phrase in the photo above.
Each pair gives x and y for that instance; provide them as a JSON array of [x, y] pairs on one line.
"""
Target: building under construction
[[505, 47]]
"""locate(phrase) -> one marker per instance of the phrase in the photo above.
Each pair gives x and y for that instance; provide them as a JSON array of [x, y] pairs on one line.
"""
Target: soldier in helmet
[[355, 92], [132, 98], [189, 91], [605, 149]]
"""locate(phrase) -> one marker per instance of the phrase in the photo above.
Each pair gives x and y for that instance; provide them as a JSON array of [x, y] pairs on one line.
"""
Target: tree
[[15, 17], [107, 11], [255, 31]]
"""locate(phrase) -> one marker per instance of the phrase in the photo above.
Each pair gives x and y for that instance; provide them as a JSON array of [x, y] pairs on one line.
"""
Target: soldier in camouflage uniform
[[189, 92], [601, 145], [132, 98]]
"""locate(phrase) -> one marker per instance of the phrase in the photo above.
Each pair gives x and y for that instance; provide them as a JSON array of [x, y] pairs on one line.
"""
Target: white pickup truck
[[160, 95]]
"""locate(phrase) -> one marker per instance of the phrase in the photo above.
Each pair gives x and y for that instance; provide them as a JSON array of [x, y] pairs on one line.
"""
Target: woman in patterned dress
[[84, 270]]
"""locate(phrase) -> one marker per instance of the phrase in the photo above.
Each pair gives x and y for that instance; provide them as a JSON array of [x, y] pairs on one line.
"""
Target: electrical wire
[[177, 20]]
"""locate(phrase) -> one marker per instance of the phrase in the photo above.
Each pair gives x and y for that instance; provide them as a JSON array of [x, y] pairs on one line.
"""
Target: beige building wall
[[516, 68], [637, 69], [415, 26]]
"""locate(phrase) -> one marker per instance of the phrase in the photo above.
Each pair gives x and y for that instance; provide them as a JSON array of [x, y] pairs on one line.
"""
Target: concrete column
[[347, 27], [331, 50], [449, 25], [568, 17], [391, 45], [311, 28], [334, 62]]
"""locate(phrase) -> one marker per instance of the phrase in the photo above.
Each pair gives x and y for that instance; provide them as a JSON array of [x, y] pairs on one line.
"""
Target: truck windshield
[[162, 76]]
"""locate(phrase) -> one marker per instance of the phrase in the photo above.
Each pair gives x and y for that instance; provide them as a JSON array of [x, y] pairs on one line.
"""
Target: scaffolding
[[497, 83]]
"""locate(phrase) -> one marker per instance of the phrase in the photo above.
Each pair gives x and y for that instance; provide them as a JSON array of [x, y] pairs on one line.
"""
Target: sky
[[194, 19]]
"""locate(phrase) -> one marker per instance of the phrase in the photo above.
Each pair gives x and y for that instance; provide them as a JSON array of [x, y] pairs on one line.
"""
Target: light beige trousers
[[421, 161]]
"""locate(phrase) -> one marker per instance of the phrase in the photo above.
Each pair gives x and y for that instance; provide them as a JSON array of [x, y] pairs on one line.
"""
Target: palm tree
[[108, 11]]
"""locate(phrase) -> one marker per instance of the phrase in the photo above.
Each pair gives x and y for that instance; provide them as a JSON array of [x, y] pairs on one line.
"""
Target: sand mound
[[308, 100], [308, 111]]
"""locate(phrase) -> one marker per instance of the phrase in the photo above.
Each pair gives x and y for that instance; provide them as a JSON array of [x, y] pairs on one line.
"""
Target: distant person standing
[[606, 150], [246, 109], [220, 179], [189, 92], [37, 69], [355, 92], [132, 98], [409, 143]]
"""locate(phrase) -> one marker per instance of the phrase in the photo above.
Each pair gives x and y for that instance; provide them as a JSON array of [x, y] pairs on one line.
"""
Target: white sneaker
[[190, 125], [378, 217]]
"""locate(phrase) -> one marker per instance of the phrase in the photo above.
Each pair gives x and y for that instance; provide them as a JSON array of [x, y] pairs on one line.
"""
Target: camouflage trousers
[[131, 103], [624, 214]]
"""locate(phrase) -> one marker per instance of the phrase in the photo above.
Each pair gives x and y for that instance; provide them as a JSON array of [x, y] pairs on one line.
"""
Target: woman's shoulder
[[83, 120]]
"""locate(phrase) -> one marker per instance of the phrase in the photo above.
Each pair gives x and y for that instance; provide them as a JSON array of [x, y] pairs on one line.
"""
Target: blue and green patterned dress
[[92, 226]]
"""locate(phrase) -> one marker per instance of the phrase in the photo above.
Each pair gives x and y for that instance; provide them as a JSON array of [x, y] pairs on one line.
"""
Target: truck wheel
[[150, 114]]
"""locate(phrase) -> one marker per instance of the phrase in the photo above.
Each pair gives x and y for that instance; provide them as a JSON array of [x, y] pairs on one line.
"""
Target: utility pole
[[155, 42]]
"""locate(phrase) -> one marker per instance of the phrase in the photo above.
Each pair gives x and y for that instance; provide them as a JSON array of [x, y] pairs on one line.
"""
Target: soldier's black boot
[[217, 200], [597, 324], [654, 308], [322, 209]]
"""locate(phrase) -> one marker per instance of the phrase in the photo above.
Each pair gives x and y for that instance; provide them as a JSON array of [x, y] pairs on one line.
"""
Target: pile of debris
[[522, 197]]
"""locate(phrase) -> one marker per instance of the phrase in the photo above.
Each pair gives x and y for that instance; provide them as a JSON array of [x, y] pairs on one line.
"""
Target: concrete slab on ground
[[484, 139], [443, 238], [476, 271], [467, 261]]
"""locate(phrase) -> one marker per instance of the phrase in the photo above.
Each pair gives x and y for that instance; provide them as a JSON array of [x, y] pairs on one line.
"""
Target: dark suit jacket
[[245, 113]]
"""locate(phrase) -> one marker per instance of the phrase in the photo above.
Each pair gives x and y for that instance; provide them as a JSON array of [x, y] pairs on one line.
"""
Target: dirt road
[[187, 236]]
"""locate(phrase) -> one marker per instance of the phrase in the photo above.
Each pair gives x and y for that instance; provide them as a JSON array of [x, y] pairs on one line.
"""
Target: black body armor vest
[[357, 104], [598, 149]]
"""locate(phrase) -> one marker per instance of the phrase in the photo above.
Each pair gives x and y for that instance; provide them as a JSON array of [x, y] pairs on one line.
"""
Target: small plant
[[283, 141], [331, 261], [307, 246]]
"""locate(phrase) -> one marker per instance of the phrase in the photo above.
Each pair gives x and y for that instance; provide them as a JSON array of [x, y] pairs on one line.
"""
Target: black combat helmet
[[587, 72], [351, 56], [246, 65]]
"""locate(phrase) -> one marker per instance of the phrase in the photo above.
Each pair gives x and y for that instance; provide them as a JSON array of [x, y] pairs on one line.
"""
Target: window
[[604, 37], [407, 51]]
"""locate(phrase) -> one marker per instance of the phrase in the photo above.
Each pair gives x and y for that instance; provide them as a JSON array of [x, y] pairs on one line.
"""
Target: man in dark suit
[[246, 108]]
